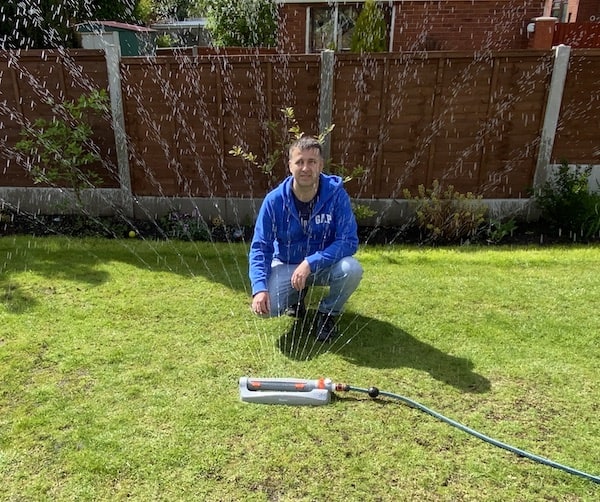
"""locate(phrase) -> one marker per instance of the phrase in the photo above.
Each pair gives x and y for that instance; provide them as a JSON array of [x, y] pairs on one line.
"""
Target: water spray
[[301, 392]]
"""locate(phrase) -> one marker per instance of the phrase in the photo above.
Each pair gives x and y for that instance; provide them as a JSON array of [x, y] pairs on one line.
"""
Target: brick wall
[[292, 36], [463, 25], [434, 25], [588, 10]]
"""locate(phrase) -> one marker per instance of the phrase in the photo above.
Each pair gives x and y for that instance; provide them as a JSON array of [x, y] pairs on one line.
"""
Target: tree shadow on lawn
[[78, 261], [15, 298], [370, 342]]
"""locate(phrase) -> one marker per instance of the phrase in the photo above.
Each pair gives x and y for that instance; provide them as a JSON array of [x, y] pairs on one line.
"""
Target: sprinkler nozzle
[[373, 392]]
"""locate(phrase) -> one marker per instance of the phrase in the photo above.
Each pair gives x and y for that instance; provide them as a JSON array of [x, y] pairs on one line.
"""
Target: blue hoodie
[[331, 233]]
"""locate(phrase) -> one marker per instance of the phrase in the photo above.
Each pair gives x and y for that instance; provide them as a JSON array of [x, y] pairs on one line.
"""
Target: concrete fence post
[[548, 133], [326, 97], [118, 121]]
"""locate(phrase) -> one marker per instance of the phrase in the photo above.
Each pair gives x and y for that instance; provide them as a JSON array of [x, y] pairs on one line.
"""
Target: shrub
[[447, 215], [186, 227], [242, 24], [498, 229], [59, 149], [164, 41], [566, 203], [370, 31]]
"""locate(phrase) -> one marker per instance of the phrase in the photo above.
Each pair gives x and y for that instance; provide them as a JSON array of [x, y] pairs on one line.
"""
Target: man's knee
[[351, 267]]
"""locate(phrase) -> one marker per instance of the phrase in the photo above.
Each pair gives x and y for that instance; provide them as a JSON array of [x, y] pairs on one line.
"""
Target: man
[[305, 234]]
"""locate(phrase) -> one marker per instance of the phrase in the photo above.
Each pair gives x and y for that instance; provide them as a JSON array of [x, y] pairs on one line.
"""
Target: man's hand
[[300, 275], [261, 303]]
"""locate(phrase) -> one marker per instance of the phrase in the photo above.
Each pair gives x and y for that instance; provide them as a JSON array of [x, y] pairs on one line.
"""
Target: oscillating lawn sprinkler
[[292, 391], [297, 391]]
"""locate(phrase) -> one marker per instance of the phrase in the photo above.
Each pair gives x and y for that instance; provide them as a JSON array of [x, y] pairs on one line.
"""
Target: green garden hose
[[374, 392]]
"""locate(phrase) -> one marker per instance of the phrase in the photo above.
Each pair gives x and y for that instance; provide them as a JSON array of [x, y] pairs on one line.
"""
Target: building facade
[[308, 26]]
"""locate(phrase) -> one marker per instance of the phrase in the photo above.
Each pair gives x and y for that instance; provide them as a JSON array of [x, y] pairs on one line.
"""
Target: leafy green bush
[[186, 227], [59, 149], [165, 41], [498, 229], [445, 215], [566, 203], [242, 24], [370, 31]]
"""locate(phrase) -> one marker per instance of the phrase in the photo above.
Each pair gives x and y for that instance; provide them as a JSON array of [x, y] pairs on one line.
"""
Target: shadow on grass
[[14, 298], [370, 342], [78, 260]]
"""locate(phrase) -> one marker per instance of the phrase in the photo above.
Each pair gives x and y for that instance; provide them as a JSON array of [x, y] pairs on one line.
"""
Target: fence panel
[[184, 115], [578, 138], [509, 133], [357, 101], [410, 119], [166, 117]]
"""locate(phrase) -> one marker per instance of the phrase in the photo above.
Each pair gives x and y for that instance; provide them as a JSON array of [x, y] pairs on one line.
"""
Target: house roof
[[113, 24], [329, 2], [188, 23]]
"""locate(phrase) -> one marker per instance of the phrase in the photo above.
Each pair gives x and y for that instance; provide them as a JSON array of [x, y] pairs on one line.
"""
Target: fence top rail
[[412, 55], [56, 54], [231, 58], [585, 52], [46, 54], [340, 57]]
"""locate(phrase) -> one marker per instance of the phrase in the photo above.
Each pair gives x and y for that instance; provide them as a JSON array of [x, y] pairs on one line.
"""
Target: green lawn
[[120, 360]]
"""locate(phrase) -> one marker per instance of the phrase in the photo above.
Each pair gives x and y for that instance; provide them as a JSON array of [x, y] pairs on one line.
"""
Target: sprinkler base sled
[[290, 391]]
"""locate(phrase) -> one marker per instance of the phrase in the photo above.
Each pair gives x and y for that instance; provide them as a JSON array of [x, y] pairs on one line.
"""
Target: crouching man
[[305, 235]]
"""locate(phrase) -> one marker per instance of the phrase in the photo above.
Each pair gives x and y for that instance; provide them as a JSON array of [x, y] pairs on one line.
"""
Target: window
[[322, 29], [559, 10]]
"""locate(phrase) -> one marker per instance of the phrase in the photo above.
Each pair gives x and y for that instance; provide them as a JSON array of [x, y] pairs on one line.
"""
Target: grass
[[119, 363]]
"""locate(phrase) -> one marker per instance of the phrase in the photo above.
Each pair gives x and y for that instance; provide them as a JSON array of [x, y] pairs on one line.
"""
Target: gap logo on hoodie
[[323, 219]]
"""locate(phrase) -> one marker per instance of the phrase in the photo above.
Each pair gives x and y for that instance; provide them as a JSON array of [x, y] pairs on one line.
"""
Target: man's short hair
[[306, 143]]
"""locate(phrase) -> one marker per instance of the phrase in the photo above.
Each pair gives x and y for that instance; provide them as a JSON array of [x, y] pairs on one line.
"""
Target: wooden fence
[[183, 116], [470, 122], [471, 119]]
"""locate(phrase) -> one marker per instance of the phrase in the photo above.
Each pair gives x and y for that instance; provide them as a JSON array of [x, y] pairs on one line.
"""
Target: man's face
[[305, 166]]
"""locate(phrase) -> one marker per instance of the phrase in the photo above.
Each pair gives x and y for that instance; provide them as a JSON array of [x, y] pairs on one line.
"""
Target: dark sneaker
[[326, 330], [297, 310]]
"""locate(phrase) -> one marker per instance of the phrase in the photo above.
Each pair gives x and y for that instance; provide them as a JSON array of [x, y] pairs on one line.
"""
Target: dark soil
[[185, 228], [525, 233]]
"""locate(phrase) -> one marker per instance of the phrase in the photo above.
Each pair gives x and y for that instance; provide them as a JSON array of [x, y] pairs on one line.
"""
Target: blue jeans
[[342, 278]]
